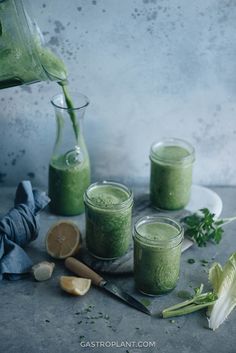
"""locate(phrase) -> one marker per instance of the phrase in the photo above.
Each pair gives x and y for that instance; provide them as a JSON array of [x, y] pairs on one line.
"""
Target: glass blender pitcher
[[23, 57]]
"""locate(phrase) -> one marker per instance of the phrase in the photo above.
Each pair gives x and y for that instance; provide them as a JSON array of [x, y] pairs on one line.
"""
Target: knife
[[82, 270]]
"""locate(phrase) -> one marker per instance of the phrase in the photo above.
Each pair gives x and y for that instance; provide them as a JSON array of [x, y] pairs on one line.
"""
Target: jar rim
[[170, 242], [121, 205], [189, 158], [61, 104]]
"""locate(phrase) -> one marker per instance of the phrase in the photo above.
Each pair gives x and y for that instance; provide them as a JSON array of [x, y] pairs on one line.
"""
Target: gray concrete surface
[[151, 68], [40, 318]]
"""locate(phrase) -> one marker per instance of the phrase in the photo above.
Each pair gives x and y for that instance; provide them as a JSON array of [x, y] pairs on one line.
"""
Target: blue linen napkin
[[19, 227]]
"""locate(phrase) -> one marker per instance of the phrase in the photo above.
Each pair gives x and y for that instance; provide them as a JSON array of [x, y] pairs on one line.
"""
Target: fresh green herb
[[202, 227], [191, 261], [198, 301]]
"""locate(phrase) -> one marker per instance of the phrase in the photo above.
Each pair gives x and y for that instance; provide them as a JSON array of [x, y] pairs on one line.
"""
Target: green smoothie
[[23, 59], [67, 186], [70, 107], [157, 251], [171, 174], [108, 208], [69, 173]]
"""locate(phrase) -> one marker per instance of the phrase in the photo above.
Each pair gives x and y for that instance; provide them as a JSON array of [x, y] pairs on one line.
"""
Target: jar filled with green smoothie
[[157, 251], [171, 173], [108, 207], [24, 58], [69, 168]]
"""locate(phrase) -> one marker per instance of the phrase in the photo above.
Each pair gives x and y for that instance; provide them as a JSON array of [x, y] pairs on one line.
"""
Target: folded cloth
[[19, 227]]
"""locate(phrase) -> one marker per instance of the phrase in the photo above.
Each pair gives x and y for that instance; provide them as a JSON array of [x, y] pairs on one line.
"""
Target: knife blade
[[82, 270], [118, 292]]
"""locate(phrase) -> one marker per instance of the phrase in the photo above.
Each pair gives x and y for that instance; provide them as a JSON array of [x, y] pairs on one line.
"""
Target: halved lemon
[[75, 285], [63, 240]]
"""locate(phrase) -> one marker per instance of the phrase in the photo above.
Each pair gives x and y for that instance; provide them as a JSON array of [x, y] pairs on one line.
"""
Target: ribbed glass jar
[[108, 207], [157, 251], [171, 173]]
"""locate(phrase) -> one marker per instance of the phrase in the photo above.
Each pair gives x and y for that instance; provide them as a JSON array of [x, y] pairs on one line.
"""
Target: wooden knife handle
[[82, 270]]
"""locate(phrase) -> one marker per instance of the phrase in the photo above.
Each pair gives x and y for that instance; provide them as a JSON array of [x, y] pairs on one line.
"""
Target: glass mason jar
[[157, 252], [108, 208], [171, 173], [69, 169], [23, 57]]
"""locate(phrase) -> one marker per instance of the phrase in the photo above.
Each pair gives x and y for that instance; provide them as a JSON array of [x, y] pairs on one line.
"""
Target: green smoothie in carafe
[[69, 172], [67, 186]]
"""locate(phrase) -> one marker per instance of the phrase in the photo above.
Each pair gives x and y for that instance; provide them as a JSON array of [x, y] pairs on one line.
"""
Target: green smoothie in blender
[[23, 57]]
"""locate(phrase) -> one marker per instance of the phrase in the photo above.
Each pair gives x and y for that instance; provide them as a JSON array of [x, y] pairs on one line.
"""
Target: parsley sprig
[[202, 227]]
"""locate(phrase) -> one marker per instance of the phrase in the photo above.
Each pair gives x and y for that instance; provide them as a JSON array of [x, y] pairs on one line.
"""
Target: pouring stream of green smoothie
[[70, 107]]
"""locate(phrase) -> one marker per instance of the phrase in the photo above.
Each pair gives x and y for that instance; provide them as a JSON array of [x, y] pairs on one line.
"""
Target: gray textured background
[[151, 68]]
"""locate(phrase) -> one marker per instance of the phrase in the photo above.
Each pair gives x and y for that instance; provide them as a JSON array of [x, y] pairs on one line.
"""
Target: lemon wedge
[[63, 240], [75, 285]]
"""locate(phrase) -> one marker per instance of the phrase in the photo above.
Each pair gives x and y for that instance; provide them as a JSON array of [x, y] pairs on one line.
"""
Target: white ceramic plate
[[202, 197]]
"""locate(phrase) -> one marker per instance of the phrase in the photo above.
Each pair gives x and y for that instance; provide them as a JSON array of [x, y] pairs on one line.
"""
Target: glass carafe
[[23, 57], [69, 169]]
